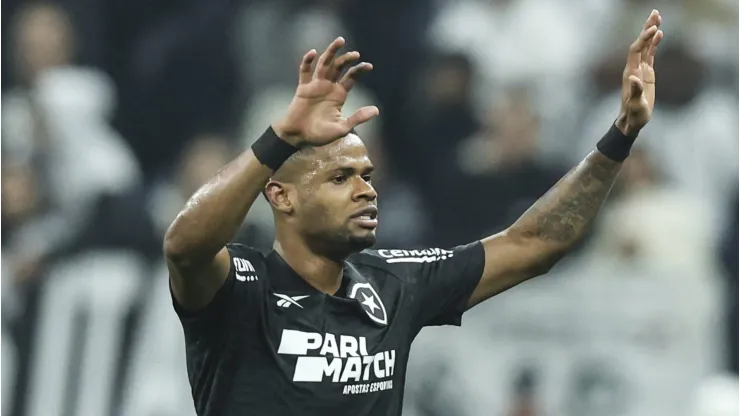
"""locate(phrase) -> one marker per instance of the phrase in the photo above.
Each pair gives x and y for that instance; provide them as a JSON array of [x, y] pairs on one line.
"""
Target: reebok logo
[[415, 256], [338, 359], [285, 300], [244, 270]]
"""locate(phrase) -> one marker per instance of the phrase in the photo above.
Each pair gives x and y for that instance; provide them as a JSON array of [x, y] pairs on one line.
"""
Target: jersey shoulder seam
[[368, 260], [250, 249]]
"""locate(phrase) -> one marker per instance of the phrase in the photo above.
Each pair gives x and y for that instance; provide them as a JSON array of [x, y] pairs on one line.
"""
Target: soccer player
[[322, 325]]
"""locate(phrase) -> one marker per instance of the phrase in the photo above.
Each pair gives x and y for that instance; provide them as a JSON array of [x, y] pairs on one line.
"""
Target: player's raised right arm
[[195, 243]]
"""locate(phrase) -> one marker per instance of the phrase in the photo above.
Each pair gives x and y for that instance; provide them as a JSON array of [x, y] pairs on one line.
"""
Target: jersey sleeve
[[443, 281], [238, 291]]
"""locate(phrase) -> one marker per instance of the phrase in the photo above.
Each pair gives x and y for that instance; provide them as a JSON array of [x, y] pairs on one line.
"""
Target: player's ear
[[277, 195]]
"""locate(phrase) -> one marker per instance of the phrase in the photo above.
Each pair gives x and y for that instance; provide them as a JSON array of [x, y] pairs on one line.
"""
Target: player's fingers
[[342, 63], [654, 47], [653, 19], [637, 47], [305, 71], [326, 61], [361, 116], [644, 39], [350, 78]]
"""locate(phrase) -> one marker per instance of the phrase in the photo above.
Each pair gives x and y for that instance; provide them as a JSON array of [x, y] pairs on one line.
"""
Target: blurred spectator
[[730, 262], [717, 396], [692, 135], [620, 21], [179, 76], [58, 117], [658, 235], [44, 38], [655, 223], [707, 27], [404, 221], [505, 36], [629, 327], [297, 26], [27, 231], [61, 162], [712, 34], [539, 42], [391, 35], [429, 396], [120, 221], [21, 195], [501, 173], [200, 160], [63, 153], [524, 394], [442, 115]]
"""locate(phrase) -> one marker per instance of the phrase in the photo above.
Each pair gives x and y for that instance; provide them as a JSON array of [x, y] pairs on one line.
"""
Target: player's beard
[[361, 242], [355, 241], [344, 242]]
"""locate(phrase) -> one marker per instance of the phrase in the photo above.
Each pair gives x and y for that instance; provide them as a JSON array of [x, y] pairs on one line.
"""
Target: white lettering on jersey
[[348, 346], [415, 256], [344, 361], [244, 270], [330, 346]]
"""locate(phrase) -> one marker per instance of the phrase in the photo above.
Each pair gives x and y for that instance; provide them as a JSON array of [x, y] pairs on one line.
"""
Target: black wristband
[[271, 150], [615, 145]]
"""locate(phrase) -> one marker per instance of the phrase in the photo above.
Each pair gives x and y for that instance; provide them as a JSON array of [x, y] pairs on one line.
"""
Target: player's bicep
[[195, 286], [508, 262]]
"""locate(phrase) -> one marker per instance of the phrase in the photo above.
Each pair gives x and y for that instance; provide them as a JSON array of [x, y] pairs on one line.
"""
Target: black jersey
[[271, 344]]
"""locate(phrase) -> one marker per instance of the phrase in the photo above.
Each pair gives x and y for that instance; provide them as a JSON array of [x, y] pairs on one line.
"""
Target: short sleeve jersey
[[271, 344]]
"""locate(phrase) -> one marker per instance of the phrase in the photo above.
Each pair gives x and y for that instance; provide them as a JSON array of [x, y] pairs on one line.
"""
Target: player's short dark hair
[[297, 155], [301, 153]]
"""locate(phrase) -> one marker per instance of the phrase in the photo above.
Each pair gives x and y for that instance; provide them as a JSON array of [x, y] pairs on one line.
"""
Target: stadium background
[[113, 112]]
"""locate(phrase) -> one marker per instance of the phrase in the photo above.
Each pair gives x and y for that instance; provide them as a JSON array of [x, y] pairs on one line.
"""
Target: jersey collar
[[283, 278]]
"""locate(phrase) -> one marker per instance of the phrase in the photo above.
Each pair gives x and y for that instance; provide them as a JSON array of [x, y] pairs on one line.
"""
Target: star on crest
[[370, 302]]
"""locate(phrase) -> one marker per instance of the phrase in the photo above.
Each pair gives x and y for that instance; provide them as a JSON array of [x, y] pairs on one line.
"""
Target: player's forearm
[[212, 216], [560, 218]]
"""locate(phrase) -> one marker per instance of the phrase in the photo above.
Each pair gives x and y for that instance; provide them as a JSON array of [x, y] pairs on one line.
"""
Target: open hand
[[314, 116], [638, 79]]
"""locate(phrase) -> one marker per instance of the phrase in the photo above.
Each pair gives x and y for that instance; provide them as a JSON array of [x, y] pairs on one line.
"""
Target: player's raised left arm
[[560, 218]]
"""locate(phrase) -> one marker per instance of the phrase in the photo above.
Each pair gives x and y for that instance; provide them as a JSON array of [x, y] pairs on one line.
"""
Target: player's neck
[[321, 272]]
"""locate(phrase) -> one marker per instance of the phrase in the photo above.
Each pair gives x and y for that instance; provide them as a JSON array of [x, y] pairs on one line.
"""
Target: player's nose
[[365, 190]]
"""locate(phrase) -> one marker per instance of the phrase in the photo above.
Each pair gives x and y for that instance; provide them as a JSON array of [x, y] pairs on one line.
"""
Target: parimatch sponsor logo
[[339, 359], [415, 256]]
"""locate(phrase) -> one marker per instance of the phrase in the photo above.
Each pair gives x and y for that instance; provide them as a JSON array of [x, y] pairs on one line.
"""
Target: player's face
[[337, 202]]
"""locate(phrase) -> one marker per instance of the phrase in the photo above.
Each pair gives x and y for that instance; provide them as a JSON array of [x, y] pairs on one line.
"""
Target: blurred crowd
[[113, 113]]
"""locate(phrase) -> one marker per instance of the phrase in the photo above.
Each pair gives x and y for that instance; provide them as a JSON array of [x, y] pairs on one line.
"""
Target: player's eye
[[367, 178], [339, 179]]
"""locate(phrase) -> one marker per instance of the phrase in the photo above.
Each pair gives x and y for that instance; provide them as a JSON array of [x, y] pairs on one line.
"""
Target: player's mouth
[[366, 217]]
